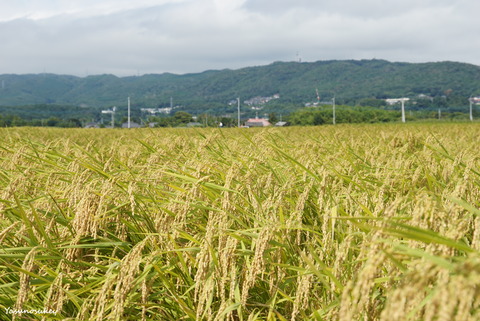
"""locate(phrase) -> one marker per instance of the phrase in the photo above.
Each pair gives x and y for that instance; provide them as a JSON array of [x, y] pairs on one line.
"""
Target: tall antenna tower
[[298, 59]]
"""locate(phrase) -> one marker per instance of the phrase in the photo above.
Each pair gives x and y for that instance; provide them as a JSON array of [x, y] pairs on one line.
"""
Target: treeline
[[312, 116], [17, 121], [343, 114], [46, 115], [182, 119], [308, 116], [44, 111]]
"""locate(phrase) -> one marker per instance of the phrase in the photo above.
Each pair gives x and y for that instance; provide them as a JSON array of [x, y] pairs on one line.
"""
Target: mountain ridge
[[295, 82]]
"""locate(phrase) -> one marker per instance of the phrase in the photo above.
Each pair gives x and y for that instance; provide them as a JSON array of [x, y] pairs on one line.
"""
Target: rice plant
[[349, 222]]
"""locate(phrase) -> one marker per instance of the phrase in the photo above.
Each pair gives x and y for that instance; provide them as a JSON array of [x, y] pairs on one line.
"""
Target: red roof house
[[257, 122]]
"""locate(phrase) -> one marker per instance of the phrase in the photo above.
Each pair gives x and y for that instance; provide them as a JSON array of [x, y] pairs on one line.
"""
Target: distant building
[[92, 125], [132, 125], [194, 124], [281, 124], [393, 101], [423, 96], [258, 102], [154, 111], [257, 122]]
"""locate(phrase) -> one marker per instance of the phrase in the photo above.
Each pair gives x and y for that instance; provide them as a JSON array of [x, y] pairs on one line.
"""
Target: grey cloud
[[192, 36], [351, 8]]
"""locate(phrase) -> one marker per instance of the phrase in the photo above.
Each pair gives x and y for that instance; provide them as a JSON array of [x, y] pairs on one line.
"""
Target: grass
[[352, 222]]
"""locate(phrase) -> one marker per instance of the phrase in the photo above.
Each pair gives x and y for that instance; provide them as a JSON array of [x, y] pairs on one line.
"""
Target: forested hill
[[296, 83]]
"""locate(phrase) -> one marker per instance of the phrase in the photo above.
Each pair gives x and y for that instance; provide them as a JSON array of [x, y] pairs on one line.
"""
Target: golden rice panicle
[[328, 235], [408, 295], [6, 233], [302, 294], [430, 293], [357, 298], [24, 282], [146, 289], [426, 212], [204, 283], [83, 223], [56, 294], [86, 310], [129, 268], [226, 267], [295, 220], [476, 233], [456, 294], [212, 278], [131, 197], [233, 172], [103, 299], [344, 253], [257, 265]]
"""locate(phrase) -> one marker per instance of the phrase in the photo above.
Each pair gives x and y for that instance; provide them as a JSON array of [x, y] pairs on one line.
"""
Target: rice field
[[348, 222]]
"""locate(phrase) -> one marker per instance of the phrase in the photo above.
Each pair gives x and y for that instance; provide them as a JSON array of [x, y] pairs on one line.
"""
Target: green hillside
[[296, 83]]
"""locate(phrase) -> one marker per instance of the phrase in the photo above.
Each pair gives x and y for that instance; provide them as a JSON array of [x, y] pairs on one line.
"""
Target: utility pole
[[113, 116], [110, 111], [128, 112], [238, 107], [402, 101], [471, 111], [334, 118]]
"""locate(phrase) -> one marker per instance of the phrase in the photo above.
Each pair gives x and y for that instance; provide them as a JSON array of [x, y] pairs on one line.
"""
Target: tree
[[228, 122], [372, 102], [272, 118], [182, 117], [53, 121]]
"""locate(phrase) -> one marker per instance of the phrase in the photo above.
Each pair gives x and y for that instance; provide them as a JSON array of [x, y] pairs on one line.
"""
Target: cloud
[[44, 9], [151, 36]]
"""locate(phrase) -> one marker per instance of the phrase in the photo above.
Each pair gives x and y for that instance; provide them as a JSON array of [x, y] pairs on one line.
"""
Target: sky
[[125, 37]]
